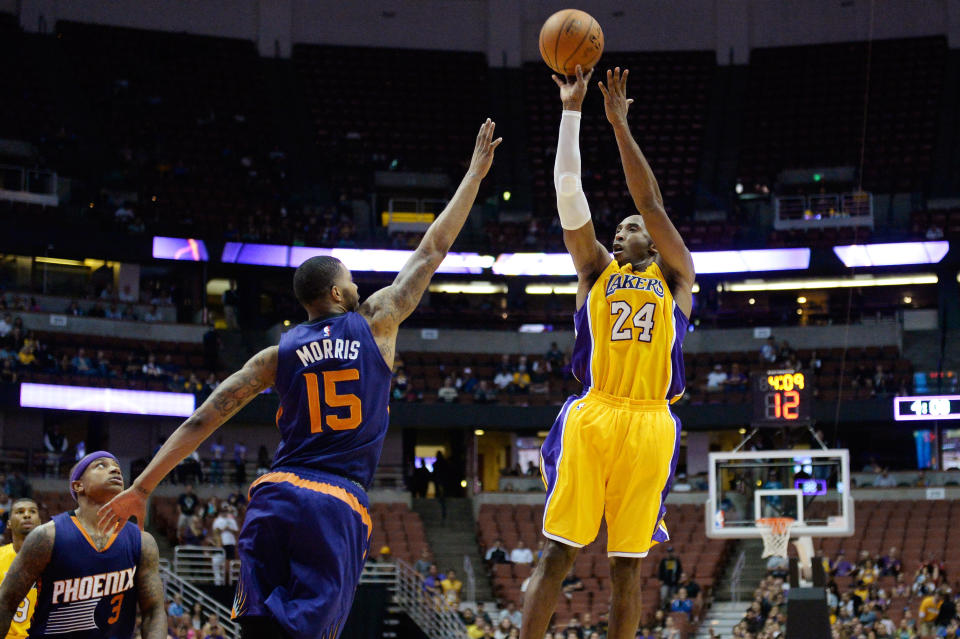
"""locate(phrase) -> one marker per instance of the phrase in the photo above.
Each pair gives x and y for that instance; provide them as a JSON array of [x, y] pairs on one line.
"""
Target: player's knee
[[557, 557], [625, 570]]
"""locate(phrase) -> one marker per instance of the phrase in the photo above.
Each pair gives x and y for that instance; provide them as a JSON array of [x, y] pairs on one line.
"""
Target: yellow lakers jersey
[[21, 618], [629, 333]]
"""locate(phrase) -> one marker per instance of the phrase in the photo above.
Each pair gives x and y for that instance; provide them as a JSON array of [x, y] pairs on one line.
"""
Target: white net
[[776, 535]]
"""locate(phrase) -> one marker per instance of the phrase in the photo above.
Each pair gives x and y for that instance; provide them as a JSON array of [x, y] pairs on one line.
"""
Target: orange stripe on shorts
[[320, 487]]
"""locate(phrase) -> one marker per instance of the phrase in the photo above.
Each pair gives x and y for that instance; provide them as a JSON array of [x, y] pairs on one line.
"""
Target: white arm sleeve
[[571, 202]]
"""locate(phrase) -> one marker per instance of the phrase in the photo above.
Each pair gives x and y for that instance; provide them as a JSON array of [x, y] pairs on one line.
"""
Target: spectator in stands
[[56, 445], [422, 565], [554, 357], [503, 380], [716, 378], [890, 565], [176, 608], [432, 582], [216, 462], [27, 355], [385, 556], [188, 504], [668, 572], [74, 309], [472, 623], [196, 616], [570, 584], [511, 613], [814, 364], [736, 382], [681, 602], [153, 314], [484, 393], [946, 621], [150, 368], [448, 392], [841, 567], [194, 534], [451, 587], [786, 352], [17, 486], [928, 612], [692, 587], [778, 566], [496, 553], [768, 352], [226, 525], [6, 325], [521, 377], [212, 629], [8, 375], [102, 365], [239, 464], [521, 554], [884, 480], [231, 302]]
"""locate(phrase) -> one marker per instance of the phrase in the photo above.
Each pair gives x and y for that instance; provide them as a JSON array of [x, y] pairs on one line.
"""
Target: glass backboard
[[810, 486]]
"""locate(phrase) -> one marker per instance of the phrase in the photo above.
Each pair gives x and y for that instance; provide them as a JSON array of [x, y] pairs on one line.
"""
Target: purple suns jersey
[[334, 388], [85, 593]]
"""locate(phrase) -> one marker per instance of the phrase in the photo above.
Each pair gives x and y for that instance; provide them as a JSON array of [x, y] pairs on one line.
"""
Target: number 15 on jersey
[[333, 399]]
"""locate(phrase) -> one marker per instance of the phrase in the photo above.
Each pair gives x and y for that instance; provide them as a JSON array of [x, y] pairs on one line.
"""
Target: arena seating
[[947, 220], [395, 525], [667, 118], [805, 108], [373, 106], [702, 558]]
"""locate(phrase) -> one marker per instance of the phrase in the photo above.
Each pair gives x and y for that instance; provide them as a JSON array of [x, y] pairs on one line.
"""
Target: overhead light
[[476, 288], [801, 300], [696, 288], [286, 322], [534, 328], [799, 311], [751, 301], [463, 483], [907, 299], [57, 260], [742, 431], [506, 196], [892, 254], [738, 188], [479, 432], [747, 286], [551, 289]]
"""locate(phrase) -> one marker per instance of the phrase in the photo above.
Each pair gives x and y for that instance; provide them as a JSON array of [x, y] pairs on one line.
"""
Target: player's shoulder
[[7, 553]]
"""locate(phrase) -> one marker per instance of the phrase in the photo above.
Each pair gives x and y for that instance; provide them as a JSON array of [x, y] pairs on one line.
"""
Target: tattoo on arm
[[258, 374], [33, 557], [150, 590]]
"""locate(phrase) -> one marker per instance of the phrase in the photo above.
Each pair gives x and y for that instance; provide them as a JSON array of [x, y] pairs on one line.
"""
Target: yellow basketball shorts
[[610, 457]]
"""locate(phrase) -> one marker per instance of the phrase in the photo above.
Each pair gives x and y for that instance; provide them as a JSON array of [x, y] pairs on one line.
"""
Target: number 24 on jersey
[[642, 319]]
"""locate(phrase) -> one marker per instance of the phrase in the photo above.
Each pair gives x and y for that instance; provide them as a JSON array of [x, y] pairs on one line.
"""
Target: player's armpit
[[33, 557], [150, 590]]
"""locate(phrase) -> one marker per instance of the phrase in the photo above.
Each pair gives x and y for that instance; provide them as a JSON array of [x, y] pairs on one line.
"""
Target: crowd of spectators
[[865, 610], [189, 622]]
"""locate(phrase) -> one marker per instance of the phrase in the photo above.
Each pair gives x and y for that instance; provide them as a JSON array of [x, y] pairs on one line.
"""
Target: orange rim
[[777, 525]]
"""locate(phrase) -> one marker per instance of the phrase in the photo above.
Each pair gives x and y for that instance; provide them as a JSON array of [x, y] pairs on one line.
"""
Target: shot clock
[[926, 407], [781, 398]]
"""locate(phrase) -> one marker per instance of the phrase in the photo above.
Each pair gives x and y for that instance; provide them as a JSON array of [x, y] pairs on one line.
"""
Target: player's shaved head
[[315, 277]]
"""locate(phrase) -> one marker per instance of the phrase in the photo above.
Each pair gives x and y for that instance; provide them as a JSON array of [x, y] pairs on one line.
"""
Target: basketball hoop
[[776, 535]]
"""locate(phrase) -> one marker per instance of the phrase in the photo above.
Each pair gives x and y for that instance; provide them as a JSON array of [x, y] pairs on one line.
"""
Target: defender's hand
[[573, 92], [116, 512], [483, 151], [615, 101]]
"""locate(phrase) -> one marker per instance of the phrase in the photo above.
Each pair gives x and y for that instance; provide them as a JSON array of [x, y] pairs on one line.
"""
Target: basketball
[[568, 38]]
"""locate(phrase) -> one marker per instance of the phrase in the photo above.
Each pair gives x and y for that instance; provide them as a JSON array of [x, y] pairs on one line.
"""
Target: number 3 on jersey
[[642, 319], [332, 399]]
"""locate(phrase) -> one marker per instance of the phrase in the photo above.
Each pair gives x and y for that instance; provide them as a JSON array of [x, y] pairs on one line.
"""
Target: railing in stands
[[471, 578], [431, 613], [190, 594], [737, 576], [199, 564], [36, 186]]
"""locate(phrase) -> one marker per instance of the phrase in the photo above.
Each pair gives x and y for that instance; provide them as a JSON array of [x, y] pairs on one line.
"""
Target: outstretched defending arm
[[579, 236], [645, 191], [389, 306], [227, 399], [33, 557]]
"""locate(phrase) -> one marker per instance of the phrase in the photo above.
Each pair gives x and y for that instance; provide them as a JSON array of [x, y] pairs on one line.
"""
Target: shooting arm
[[26, 568], [646, 197], [150, 590], [227, 399]]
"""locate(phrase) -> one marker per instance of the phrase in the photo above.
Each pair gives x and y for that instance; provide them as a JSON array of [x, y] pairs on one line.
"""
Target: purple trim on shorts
[[552, 449], [659, 535]]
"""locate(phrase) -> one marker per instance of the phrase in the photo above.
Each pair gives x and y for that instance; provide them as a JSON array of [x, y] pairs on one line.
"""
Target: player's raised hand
[[483, 150], [573, 91], [130, 503], [615, 101]]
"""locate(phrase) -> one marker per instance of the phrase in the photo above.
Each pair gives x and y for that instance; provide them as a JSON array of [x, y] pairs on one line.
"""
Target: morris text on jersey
[[328, 349], [634, 282]]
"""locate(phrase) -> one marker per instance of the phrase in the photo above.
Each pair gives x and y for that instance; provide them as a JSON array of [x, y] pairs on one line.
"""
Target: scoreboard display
[[926, 407], [781, 398]]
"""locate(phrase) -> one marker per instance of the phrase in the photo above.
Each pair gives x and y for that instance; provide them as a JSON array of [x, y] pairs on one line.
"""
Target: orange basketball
[[568, 38]]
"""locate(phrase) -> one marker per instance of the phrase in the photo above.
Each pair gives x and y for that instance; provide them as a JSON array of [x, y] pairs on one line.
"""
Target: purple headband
[[82, 465]]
